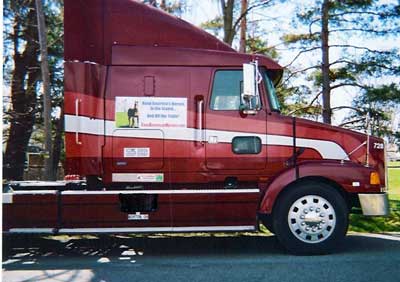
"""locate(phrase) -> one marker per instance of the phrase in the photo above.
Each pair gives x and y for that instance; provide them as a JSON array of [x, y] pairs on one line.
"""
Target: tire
[[310, 219]]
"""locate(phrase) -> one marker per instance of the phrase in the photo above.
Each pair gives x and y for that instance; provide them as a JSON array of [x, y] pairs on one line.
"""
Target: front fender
[[351, 177]]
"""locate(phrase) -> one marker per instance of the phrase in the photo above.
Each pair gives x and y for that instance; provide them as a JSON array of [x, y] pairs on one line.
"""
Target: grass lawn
[[121, 119], [391, 223], [394, 181]]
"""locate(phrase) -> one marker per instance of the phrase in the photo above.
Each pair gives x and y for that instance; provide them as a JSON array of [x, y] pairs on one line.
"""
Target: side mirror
[[250, 98]]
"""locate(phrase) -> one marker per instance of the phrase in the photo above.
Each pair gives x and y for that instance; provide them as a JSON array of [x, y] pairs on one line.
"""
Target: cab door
[[234, 141], [134, 147]]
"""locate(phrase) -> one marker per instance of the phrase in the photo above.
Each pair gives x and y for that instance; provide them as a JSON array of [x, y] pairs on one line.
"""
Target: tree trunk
[[58, 142], [326, 88], [50, 170], [23, 92], [243, 28], [227, 11], [163, 5], [153, 3]]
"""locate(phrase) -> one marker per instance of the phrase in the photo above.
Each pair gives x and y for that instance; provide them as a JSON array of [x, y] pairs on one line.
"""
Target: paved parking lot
[[194, 258]]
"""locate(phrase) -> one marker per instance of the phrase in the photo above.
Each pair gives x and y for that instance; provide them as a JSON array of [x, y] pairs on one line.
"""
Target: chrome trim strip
[[34, 192], [157, 229], [31, 230], [33, 183], [182, 191], [8, 197]]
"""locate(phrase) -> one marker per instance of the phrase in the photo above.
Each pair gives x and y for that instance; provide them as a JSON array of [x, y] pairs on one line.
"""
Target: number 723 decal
[[379, 146]]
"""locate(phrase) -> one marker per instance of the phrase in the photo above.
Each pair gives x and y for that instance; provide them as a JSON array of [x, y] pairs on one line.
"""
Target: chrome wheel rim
[[312, 219]]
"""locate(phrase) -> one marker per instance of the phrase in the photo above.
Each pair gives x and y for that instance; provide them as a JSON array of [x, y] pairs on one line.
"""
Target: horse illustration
[[133, 116]]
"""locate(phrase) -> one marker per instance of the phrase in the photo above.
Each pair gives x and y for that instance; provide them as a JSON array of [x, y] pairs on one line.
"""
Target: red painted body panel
[[92, 27], [82, 211], [84, 87], [30, 211], [175, 56], [215, 209], [85, 210], [343, 174]]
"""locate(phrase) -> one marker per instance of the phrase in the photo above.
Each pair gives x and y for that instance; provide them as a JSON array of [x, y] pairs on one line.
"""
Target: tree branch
[[347, 107], [292, 73], [311, 23], [379, 32], [309, 104], [351, 122], [343, 61], [248, 10], [348, 84], [359, 47], [300, 53], [360, 13]]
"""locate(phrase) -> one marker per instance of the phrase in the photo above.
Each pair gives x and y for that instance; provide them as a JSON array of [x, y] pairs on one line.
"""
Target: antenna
[[368, 129]]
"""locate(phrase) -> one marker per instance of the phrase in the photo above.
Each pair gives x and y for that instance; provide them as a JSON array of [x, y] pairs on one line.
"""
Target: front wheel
[[310, 218]]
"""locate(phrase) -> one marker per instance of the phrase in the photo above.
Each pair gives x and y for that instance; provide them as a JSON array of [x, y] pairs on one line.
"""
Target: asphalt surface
[[194, 258]]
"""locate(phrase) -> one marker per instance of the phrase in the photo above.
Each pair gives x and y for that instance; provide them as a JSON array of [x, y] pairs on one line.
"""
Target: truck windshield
[[271, 92]]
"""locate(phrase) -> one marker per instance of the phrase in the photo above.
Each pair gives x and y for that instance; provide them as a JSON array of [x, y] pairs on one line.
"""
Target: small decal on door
[[138, 177], [138, 216], [136, 152]]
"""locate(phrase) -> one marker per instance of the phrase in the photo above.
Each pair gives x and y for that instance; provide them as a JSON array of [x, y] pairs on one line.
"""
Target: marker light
[[374, 178]]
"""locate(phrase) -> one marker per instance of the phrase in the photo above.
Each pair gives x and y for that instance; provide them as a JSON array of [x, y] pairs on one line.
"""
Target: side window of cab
[[226, 90]]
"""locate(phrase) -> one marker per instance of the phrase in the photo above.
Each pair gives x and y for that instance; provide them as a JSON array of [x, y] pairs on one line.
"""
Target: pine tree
[[22, 38], [344, 62], [233, 16], [22, 74]]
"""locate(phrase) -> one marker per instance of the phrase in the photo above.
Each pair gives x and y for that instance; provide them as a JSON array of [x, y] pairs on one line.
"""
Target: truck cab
[[174, 131]]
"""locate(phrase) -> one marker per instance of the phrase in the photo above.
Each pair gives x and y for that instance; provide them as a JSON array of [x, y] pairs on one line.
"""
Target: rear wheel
[[310, 218]]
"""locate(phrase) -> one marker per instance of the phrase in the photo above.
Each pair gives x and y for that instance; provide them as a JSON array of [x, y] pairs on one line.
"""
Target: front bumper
[[374, 204]]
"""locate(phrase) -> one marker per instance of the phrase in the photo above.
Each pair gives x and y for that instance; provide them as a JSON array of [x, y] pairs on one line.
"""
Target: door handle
[[78, 120], [200, 126]]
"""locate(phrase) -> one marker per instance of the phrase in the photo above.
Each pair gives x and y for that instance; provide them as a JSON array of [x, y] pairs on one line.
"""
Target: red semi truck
[[174, 131]]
